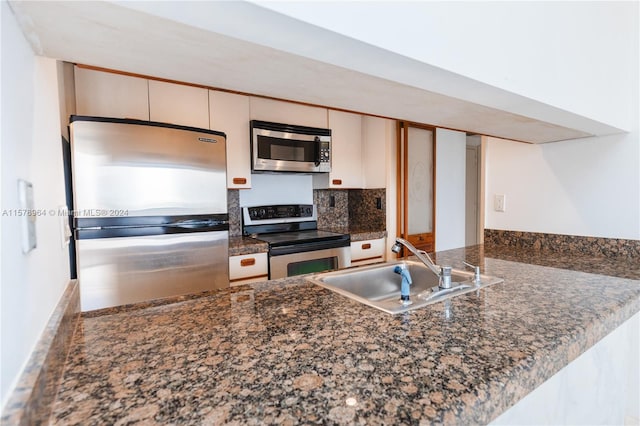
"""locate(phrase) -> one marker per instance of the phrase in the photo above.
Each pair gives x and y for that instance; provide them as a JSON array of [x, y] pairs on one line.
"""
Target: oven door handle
[[304, 247]]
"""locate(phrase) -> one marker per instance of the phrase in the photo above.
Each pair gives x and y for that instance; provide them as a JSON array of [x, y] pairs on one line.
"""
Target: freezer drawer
[[119, 271]]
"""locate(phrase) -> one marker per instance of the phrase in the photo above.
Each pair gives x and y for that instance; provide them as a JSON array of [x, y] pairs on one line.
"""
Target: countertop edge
[[549, 362]]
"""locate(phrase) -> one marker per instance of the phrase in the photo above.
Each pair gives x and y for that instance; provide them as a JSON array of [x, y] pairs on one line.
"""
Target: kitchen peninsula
[[289, 352]]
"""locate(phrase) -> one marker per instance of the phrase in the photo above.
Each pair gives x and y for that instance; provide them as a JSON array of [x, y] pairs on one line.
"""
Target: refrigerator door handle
[[197, 224]]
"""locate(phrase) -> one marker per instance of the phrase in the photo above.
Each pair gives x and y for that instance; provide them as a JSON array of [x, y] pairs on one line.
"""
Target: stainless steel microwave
[[277, 147]]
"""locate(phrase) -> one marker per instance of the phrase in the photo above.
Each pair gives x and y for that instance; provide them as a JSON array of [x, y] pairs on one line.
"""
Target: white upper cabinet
[[229, 113], [104, 94], [288, 113], [346, 150], [377, 134], [178, 104]]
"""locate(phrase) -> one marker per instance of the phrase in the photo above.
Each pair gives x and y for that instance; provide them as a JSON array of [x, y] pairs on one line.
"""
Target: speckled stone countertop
[[361, 235], [247, 245], [290, 352]]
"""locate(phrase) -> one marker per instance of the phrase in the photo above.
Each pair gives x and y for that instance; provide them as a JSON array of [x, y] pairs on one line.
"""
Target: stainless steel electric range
[[296, 246]]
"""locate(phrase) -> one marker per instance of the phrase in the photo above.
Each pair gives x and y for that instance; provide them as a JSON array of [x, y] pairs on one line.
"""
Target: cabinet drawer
[[248, 268], [368, 250]]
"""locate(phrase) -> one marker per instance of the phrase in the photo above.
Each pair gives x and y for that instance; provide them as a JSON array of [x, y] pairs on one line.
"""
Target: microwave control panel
[[325, 152]]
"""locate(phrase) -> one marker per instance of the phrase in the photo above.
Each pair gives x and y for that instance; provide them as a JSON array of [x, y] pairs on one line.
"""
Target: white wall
[[278, 188], [33, 283], [585, 187], [554, 52], [450, 188], [580, 57]]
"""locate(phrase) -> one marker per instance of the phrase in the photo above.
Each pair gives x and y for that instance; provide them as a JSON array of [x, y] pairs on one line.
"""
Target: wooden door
[[416, 191]]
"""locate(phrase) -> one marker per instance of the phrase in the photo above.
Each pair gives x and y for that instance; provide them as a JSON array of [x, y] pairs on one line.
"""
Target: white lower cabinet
[[367, 251], [248, 268]]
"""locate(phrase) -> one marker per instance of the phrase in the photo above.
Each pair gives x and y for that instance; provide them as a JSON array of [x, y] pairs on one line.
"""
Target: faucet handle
[[476, 271]]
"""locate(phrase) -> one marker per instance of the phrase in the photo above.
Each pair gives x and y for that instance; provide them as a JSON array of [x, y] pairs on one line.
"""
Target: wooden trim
[[433, 180], [399, 125], [403, 181], [367, 258], [253, 277], [405, 187], [239, 181], [237, 92], [250, 261]]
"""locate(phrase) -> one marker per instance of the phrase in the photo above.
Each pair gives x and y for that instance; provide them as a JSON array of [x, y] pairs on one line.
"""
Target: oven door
[[288, 265]]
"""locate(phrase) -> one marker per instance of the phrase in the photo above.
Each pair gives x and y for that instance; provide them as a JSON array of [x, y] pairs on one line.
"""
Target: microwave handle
[[316, 151]]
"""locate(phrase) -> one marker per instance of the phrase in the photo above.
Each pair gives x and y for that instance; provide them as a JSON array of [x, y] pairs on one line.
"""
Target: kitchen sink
[[379, 286]]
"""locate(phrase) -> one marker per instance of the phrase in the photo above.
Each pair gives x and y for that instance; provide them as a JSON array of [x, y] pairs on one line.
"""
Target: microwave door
[[279, 154]]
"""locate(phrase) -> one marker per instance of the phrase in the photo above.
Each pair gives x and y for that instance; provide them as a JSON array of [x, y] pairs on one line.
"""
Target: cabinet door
[[105, 94], [377, 133], [346, 150], [288, 113], [368, 251], [178, 104], [248, 268], [230, 114]]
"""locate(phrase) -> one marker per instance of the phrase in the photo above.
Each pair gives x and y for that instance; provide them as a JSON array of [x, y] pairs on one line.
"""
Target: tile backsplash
[[339, 210], [557, 243], [367, 209], [351, 210]]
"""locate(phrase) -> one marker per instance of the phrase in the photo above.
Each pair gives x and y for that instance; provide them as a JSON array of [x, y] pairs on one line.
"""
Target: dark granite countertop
[[361, 234], [247, 245], [290, 352]]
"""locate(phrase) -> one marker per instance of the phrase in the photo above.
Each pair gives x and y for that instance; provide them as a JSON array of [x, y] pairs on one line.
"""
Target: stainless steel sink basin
[[378, 286]]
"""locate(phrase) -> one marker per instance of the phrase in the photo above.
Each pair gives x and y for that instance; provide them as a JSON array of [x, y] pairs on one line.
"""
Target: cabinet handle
[[337, 181], [248, 262], [366, 246], [239, 181]]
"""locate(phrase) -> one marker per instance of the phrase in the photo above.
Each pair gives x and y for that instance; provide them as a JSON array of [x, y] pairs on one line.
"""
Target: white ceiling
[[243, 47]]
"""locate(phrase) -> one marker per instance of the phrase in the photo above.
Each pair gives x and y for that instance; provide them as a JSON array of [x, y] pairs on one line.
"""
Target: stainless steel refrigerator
[[150, 210]]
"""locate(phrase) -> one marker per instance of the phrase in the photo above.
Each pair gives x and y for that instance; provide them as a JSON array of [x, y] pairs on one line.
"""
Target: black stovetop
[[298, 237]]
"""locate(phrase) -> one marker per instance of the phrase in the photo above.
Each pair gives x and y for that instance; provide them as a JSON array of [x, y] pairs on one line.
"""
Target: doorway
[[416, 185], [473, 194]]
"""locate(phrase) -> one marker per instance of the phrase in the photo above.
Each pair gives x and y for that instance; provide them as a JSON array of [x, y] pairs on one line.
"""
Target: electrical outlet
[[499, 202]]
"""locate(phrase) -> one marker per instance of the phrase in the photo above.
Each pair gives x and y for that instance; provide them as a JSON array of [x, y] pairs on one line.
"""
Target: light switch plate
[[28, 217], [499, 202]]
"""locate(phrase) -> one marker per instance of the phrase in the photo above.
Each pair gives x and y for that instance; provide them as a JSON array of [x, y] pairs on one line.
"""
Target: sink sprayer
[[406, 283]]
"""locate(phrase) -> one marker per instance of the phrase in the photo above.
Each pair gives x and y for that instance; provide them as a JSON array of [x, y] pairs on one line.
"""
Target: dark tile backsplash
[[351, 210], [367, 209], [558, 243], [339, 210], [333, 209], [235, 215]]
